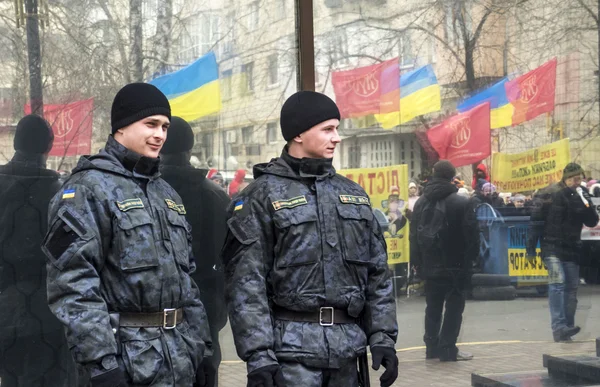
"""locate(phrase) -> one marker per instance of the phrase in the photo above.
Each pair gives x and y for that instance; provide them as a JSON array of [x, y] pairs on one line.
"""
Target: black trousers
[[441, 335]]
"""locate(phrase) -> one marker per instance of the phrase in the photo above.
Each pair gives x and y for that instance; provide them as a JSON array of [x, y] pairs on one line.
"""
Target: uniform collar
[[132, 161], [308, 167]]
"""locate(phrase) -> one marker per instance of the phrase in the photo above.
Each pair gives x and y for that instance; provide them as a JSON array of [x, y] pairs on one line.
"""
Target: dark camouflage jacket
[[118, 241], [303, 240]]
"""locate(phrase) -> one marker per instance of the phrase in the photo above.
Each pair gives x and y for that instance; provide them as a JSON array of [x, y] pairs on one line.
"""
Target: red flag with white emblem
[[465, 138], [72, 127]]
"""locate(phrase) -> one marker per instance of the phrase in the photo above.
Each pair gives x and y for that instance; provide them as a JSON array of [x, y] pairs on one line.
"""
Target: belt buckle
[[166, 314], [330, 310]]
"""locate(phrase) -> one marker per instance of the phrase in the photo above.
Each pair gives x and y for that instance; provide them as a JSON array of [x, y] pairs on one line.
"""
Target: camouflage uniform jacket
[[118, 242], [303, 240]]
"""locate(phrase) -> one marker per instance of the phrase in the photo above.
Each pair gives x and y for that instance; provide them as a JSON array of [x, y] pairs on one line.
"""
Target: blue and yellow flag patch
[[68, 194], [238, 205]]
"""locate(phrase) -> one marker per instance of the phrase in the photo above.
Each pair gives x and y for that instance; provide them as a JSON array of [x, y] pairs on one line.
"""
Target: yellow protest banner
[[537, 168], [387, 188]]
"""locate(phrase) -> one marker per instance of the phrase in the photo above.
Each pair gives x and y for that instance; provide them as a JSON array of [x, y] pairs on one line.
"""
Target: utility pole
[[31, 17]]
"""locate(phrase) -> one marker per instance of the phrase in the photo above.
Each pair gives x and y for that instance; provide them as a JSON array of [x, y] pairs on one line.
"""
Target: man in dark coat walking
[[33, 349], [206, 206], [443, 257]]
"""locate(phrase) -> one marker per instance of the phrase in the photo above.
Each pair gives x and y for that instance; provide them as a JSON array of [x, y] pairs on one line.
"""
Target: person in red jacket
[[238, 179], [480, 172]]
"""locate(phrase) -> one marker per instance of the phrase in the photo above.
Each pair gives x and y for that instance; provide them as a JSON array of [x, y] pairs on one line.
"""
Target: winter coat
[[118, 242], [26, 187], [461, 242], [302, 237]]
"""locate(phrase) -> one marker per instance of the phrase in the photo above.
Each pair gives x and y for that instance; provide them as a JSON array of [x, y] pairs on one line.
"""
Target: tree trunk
[[34, 53], [470, 67], [136, 38], [164, 24]]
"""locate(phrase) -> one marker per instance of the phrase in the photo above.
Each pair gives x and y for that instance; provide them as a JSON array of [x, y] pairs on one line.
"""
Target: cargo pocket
[[298, 241], [180, 234], [143, 359], [135, 240], [356, 220], [66, 236]]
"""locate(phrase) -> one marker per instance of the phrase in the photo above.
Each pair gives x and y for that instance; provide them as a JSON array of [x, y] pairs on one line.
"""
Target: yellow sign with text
[[387, 188], [537, 168], [520, 266]]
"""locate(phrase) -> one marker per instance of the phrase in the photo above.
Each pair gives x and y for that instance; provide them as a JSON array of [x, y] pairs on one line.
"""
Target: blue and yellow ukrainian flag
[[193, 91], [501, 110], [419, 94]]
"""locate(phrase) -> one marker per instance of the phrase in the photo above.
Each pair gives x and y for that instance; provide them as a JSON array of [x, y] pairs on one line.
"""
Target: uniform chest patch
[[289, 203], [130, 204], [351, 199], [179, 208]]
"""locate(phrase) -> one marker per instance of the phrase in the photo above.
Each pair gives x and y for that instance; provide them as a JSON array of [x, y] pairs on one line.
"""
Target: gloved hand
[[112, 378], [206, 375], [387, 357], [269, 376]]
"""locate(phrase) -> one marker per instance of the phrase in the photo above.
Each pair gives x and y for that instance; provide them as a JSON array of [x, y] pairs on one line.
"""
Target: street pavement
[[504, 336]]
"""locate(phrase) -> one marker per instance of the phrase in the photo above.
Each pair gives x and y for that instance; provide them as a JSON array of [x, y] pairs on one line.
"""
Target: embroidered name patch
[[350, 199], [130, 204], [179, 208], [68, 194], [290, 203]]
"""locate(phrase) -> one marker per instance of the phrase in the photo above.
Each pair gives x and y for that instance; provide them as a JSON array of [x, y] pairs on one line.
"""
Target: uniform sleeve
[[248, 259], [380, 322], [74, 256]]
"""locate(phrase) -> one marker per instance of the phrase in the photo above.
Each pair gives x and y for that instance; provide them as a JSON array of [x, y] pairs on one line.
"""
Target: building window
[[248, 135], [280, 9], [200, 34], [207, 145], [253, 150], [338, 47], [273, 69], [248, 71], [226, 82], [229, 34], [253, 16], [271, 132], [405, 51], [354, 156]]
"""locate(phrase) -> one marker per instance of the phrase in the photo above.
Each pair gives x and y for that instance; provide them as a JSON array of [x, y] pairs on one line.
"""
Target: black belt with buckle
[[325, 316], [167, 319]]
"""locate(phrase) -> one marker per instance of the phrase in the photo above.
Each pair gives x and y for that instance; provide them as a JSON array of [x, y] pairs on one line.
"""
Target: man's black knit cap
[[33, 135], [305, 109], [135, 102], [571, 170], [444, 169], [180, 137]]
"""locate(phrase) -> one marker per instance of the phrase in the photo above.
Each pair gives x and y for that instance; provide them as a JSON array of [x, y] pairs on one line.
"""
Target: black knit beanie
[[444, 169], [180, 137], [572, 169], [305, 109], [135, 102], [33, 135]]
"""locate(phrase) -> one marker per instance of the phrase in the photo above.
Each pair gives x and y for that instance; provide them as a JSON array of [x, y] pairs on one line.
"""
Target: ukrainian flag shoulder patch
[[238, 205], [68, 193]]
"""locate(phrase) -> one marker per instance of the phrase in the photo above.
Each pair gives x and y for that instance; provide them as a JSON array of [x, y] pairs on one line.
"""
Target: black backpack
[[432, 230]]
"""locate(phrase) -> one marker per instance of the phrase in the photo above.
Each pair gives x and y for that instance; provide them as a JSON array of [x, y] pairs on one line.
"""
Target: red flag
[[463, 139], [532, 94], [368, 90], [72, 127]]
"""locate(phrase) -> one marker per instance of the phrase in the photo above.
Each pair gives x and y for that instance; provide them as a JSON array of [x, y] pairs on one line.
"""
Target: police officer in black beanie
[[307, 281], [205, 205], [33, 349], [120, 257]]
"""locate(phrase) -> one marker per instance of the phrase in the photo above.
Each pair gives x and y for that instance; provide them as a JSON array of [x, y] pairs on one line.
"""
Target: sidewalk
[[491, 357]]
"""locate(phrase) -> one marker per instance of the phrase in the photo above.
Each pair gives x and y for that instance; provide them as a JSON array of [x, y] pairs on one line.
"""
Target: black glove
[[269, 376], [387, 357], [206, 375], [112, 378]]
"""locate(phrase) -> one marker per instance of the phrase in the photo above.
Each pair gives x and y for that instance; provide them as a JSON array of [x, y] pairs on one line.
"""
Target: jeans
[[442, 335], [563, 280]]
